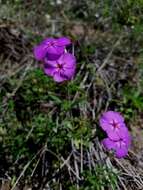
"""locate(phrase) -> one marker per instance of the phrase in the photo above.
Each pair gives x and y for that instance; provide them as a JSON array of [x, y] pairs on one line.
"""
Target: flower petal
[[127, 140], [104, 123], [121, 152], [50, 67], [39, 52], [49, 70], [63, 41], [41, 49], [58, 78], [109, 144], [69, 60], [119, 133], [112, 115], [68, 73], [50, 63], [55, 50], [52, 56], [123, 132]]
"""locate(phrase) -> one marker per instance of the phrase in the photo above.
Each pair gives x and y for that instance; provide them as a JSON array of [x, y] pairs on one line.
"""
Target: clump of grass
[[99, 178]]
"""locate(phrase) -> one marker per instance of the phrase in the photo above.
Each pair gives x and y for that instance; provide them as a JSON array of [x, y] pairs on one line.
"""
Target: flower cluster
[[58, 63], [118, 136], [61, 65]]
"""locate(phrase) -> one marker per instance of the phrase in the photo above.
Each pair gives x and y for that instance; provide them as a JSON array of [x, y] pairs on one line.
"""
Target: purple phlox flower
[[51, 48], [122, 132], [120, 147], [118, 138], [113, 123], [61, 69]]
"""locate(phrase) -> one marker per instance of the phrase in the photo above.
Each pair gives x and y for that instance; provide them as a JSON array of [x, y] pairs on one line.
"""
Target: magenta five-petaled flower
[[61, 69], [51, 48], [113, 123], [58, 63], [120, 147], [118, 138]]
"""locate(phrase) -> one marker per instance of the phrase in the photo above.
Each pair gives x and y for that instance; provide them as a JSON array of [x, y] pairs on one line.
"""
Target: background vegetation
[[49, 133]]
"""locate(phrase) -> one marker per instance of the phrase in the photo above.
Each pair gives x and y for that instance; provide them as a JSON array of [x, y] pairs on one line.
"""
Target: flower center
[[59, 66], [115, 124]]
